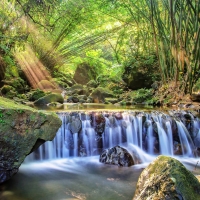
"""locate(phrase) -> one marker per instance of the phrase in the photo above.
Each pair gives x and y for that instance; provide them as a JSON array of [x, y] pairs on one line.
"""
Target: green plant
[[2, 121], [142, 95]]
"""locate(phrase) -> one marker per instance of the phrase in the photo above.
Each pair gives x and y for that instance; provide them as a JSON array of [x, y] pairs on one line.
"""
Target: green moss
[[7, 103], [142, 95], [36, 94], [6, 88], [172, 178]]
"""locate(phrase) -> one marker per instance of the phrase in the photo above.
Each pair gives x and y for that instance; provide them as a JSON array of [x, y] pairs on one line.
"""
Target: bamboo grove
[[170, 29], [176, 28]]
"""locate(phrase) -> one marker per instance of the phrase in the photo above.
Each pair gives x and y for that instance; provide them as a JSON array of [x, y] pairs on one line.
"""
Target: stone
[[75, 125], [84, 73], [111, 100], [36, 94], [22, 130], [99, 123], [165, 179], [100, 93], [53, 97], [92, 84], [116, 156]]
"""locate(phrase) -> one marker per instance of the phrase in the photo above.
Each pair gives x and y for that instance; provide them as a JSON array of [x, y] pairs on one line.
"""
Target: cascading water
[[87, 134]]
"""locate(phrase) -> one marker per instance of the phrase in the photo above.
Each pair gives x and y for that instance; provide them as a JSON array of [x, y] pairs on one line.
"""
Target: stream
[[55, 172]]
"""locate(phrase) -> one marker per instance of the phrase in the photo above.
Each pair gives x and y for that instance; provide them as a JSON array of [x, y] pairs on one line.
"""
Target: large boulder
[[22, 129], [84, 73], [166, 179], [100, 93], [116, 156]]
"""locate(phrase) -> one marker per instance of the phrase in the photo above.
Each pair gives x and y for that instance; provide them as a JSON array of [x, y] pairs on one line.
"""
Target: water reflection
[[94, 106], [75, 178]]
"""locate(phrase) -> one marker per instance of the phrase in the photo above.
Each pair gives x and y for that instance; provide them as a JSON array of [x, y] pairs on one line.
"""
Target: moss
[[92, 83], [7, 103], [20, 128], [6, 88], [77, 86], [36, 94], [167, 177]]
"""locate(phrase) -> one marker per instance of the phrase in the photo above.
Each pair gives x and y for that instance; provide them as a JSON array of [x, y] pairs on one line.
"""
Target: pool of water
[[71, 179], [76, 179]]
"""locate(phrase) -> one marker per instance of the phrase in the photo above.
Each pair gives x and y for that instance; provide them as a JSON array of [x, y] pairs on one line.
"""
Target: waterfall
[[170, 137], [154, 133], [150, 138], [187, 145], [163, 140]]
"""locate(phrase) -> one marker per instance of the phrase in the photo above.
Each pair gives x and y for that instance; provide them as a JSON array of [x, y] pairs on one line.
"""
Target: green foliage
[[36, 94], [142, 95], [196, 87], [116, 38], [2, 120]]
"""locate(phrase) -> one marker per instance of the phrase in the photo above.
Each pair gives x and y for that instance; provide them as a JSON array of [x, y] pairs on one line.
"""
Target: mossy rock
[[17, 83], [77, 87], [8, 91], [6, 88], [92, 83], [111, 100], [53, 97], [36, 94], [55, 105], [22, 129], [167, 179], [100, 93]]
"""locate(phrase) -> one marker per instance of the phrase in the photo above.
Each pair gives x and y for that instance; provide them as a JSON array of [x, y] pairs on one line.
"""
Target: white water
[[186, 141], [150, 138], [163, 140], [170, 137], [130, 129]]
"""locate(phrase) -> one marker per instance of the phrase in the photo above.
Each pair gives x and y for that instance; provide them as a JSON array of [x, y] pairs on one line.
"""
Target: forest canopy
[[124, 40]]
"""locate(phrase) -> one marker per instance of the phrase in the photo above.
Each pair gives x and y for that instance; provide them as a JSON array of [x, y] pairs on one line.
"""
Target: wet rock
[[112, 121], [75, 125], [53, 97], [116, 156], [73, 99], [118, 116], [22, 130], [166, 179], [147, 124], [69, 141], [100, 123], [55, 105]]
